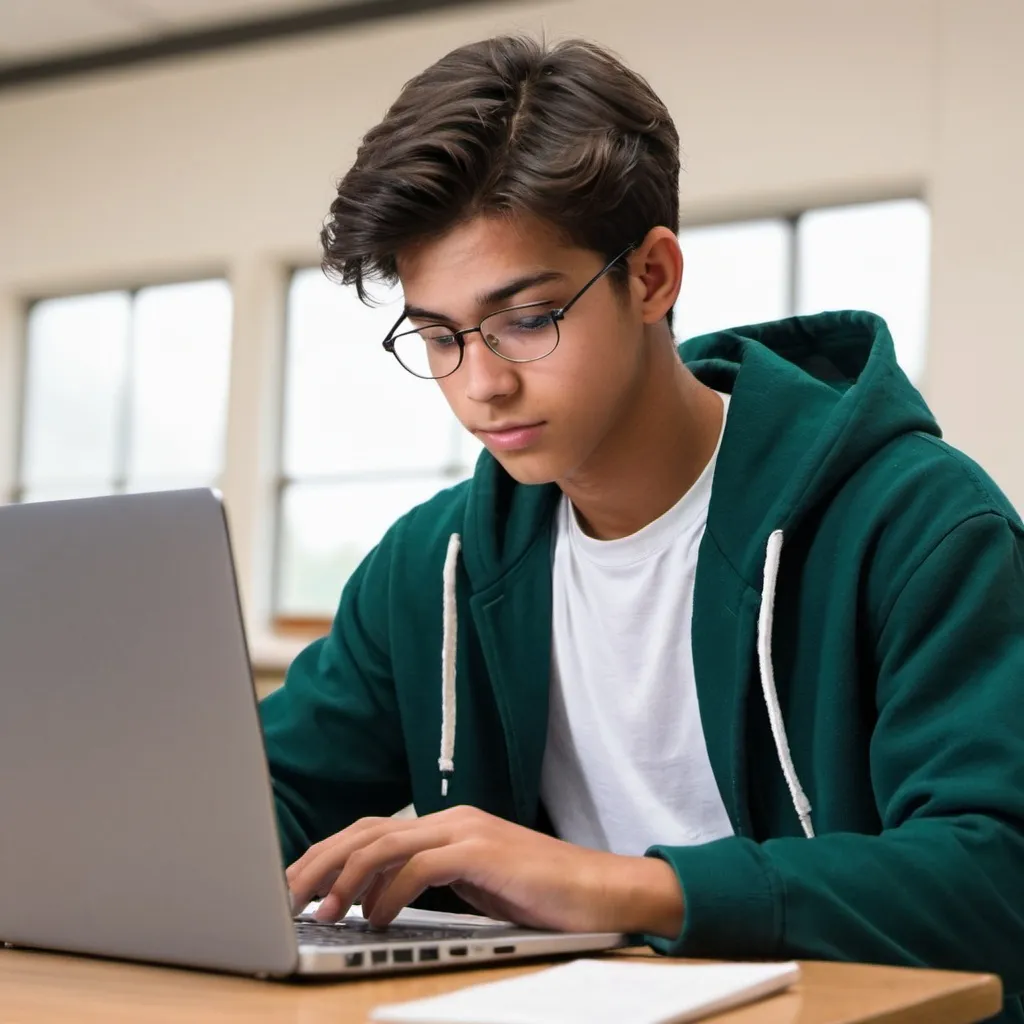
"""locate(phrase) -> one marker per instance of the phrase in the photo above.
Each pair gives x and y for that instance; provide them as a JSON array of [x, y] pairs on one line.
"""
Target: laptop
[[136, 813]]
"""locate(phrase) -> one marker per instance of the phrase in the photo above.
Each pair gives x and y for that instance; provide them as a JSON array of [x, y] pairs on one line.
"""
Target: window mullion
[[123, 438], [793, 298], [14, 356]]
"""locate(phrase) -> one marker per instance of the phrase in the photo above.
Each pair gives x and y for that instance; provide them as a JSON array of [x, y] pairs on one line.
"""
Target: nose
[[487, 377]]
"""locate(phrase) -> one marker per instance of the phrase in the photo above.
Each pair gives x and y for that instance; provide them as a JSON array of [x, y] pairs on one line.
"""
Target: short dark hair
[[508, 126]]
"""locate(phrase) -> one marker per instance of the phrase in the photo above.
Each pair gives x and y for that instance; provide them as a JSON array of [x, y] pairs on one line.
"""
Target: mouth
[[513, 437]]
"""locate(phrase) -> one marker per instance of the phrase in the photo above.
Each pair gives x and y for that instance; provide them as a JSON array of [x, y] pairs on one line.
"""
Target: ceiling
[[34, 31]]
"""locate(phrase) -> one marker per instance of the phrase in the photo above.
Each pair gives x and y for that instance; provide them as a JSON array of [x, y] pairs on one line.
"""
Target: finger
[[301, 900], [437, 866], [332, 907], [373, 892], [390, 850], [461, 817], [297, 867], [320, 871]]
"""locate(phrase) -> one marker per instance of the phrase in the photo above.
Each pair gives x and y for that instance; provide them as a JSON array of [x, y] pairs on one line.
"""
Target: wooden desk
[[43, 988]]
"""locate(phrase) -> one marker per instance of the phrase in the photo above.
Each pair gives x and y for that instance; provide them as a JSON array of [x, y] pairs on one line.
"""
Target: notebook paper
[[608, 991]]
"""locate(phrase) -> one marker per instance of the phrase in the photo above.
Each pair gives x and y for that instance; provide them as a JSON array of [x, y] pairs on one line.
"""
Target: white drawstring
[[771, 698], [773, 556], [449, 644]]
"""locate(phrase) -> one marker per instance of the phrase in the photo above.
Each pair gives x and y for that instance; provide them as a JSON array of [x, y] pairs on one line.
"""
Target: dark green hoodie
[[858, 643]]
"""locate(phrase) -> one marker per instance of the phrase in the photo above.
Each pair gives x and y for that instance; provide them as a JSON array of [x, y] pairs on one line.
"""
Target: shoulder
[[419, 539], [411, 552], [433, 521], [905, 507], [923, 475]]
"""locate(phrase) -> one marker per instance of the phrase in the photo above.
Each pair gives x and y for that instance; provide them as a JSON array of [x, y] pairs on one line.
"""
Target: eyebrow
[[491, 298]]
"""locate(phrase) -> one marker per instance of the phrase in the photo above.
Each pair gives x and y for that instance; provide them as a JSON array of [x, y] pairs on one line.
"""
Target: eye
[[437, 335], [532, 322]]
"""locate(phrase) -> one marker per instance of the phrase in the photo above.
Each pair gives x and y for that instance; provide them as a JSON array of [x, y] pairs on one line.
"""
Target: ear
[[657, 272]]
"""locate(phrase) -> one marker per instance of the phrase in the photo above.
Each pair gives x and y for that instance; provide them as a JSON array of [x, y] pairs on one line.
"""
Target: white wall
[[976, 354], [225, 163]]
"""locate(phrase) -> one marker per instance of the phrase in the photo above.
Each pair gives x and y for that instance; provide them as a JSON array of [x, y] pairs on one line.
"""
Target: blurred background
[[165, 166]]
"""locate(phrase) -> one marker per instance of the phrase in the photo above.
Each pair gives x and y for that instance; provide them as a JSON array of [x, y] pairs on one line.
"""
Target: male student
[[726, 649]]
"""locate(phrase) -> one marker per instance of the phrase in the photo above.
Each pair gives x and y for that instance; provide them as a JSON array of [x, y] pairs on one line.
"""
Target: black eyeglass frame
[[557, 315]]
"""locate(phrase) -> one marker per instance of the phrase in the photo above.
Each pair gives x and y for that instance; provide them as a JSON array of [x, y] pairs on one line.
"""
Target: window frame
[[18, 488], [306, 625], [790, 216], [260, 526]]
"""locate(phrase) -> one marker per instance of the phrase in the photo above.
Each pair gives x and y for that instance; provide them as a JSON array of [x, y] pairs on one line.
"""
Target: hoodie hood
[[832, 377], [813, 399]]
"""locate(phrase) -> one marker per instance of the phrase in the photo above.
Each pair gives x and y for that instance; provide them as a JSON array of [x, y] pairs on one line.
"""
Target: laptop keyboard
[[354, 931]]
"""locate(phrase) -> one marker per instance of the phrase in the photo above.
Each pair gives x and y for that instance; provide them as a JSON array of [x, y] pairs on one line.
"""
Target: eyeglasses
[[520, 334]]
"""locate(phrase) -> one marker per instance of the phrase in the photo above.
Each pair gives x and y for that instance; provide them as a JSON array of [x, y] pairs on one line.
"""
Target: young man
[[726, 650]]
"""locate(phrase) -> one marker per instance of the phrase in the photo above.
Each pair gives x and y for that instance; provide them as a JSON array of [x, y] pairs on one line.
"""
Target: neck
[[654, 452]]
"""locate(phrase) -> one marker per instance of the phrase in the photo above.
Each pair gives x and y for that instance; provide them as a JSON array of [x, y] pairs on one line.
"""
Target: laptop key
[[348, 933]]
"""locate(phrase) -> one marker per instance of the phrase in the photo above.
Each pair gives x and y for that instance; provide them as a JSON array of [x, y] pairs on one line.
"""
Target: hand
[[502, 869]]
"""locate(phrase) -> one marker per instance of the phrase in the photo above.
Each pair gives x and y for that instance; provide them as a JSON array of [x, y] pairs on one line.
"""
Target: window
[[864, 256], [364, 441], [125, 391], [734, 274]]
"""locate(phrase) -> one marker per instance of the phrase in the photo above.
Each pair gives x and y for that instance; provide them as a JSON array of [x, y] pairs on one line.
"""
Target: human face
[[541, 420]]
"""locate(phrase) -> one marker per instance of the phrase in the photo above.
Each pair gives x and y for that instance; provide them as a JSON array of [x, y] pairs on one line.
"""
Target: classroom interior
[[164, 321]]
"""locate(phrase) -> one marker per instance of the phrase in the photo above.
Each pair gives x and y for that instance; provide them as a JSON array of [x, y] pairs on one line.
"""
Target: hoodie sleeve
[[332, 732], [943, 884]]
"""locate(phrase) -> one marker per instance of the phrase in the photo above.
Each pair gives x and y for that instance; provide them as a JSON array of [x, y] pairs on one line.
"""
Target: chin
[[530, 467]]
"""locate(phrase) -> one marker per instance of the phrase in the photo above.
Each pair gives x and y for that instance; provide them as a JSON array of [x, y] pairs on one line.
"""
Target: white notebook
[[610, 991]]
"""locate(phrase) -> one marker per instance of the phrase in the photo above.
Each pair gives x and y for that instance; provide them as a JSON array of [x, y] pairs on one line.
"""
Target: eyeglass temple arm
[[397, 324], [597, 277]]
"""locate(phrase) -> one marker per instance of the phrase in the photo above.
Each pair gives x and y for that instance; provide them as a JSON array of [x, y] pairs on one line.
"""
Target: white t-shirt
[[626, 765]]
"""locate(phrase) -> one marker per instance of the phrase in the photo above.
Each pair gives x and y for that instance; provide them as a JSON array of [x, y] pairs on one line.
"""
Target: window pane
[[349, 406], [74, 389], [180, 364], [733, 274], [327, 529], [870, 256]]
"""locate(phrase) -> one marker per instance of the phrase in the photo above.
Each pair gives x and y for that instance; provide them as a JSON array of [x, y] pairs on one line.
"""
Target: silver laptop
[[136, 816]]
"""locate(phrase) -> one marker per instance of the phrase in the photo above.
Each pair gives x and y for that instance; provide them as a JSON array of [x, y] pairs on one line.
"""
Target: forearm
[[939, 893]]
